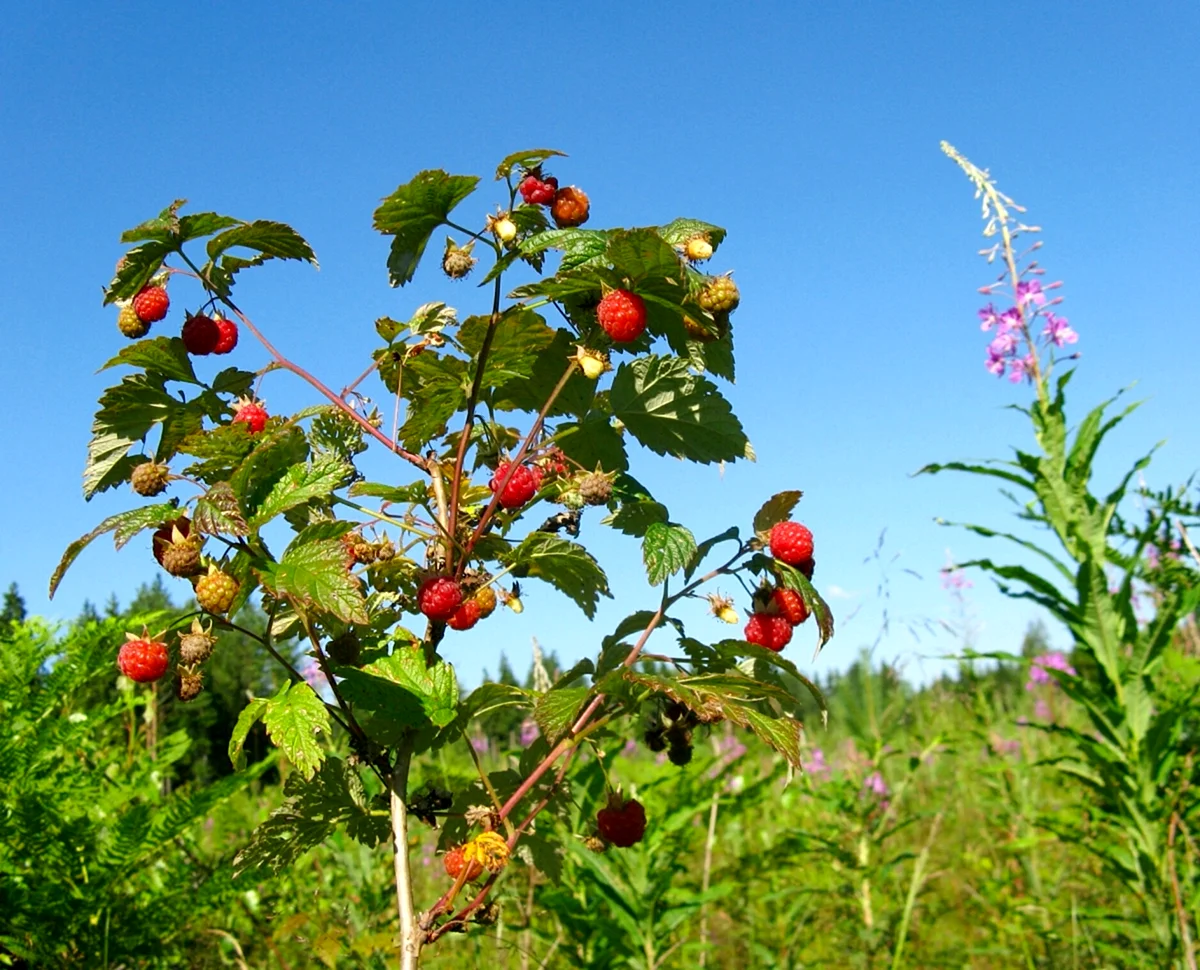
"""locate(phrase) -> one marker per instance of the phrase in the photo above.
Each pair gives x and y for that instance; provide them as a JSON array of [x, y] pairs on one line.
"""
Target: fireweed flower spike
[[1014, 351]]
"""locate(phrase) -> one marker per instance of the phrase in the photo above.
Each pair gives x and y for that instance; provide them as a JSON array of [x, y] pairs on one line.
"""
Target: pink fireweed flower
[[529, 732], [988, 317], [995, 365], [875, 785], [1020, 368], [1041, 710], [1058, 331], [1030, 291], [1039, 669], [1010, 320], [955, 579], [1004, 344], [817, 767]]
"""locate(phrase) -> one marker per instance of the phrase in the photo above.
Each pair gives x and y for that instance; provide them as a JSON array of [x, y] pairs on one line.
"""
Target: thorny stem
[[472, 400], [283, 362], [411, 936], [486, 518]]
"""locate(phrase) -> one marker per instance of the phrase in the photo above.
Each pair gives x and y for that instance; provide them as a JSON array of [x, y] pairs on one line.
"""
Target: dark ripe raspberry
[[769, 630], [251, 413], [791, 543], [439, 597], [622, 315], [151, 303], [345, 650], [719, 295], [143, 659], [150, 479], [570, 207], [216, 591], [595, 489], [227, 331], [622, 823], [465, 617], [200, 335], [790, 605], [536, 191], [486, 600], [806, 568], [454, 863], [521, 487], [130, 324], [188, 684], [196, 645]]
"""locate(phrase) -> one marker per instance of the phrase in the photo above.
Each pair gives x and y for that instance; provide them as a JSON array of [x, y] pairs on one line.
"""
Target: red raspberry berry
[[622, 823], [151, 303], [570, 208], [465, 617], [454, 863], [143, 658], [769, 630], [536, 191], [439, 597], [250, 413], [200, 335], [622, 315], [228, 334], [521, 487], [791, 543], [790, 605]]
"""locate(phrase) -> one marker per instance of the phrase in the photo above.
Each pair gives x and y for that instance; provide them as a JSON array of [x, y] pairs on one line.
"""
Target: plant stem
[[706, 879], [914, 887], [410, 933]]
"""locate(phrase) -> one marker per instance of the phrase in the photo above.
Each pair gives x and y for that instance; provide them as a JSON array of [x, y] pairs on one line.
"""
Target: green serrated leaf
[[679, 231], [548, 368], [520, 336], [418, 491], [635, 518], [794, 579], [165, 356], [127, 413], [593, 442], [274, 453], [141, 263], [198, 224], [294, 718], [776, 509], [222, 449], [649, 263], [316, 575], [125, 525], [413, 212], [529, 158], [217, 512], [299, 484], [556, 710], [275, 239], [162, 227], [666, 549], [251, 714], [492, 696], [435, 688], [674, 412], [565, 565]]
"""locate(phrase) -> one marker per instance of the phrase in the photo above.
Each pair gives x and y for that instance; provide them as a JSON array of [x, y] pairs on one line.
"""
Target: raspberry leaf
[[413, 212], [679, 231], [162, 228], [299, 484], [529, 158], [127, 413], [776, 509], [556, 710], [233, 381], [222, 450], [794, 579], [165, 357], [666, 549], [436, 387], [267, 464], [674, 412], [492, 696], [521, 336], [217, 512], [564, 565], [141, 263], [251, 714], [763, 664], [273, 239], [548, 366], [293, 719], [593, 441], [125, 525], [648, 262], [418, 491], [317, 575], [198, 224]]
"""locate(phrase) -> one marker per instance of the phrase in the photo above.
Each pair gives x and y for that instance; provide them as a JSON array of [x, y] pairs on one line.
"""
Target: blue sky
[[810, 131]]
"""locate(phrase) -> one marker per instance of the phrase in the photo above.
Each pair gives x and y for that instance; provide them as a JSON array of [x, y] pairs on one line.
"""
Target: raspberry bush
[[507, 426]]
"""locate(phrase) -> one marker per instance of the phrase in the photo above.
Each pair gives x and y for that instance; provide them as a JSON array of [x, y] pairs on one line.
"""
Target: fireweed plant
[[492, 415], [1131, 744]]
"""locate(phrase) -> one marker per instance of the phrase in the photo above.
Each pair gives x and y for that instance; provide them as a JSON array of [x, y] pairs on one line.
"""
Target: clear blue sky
[[809, 130]]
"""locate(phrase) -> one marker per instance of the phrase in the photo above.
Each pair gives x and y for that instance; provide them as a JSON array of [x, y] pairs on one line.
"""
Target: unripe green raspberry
[[216, 590]]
